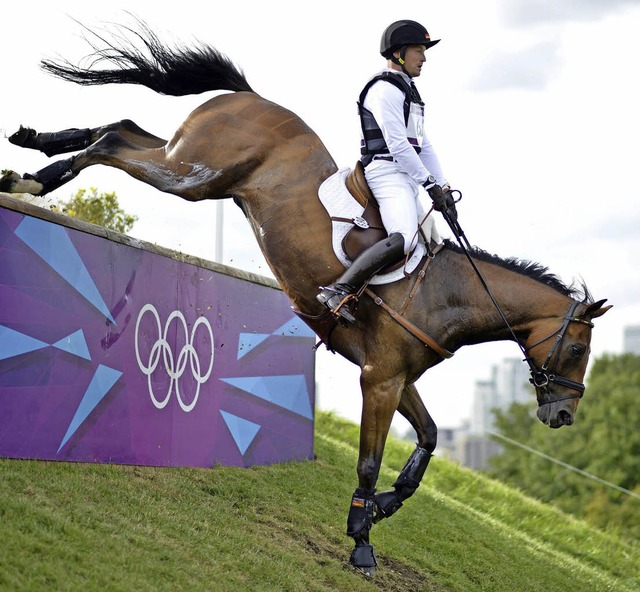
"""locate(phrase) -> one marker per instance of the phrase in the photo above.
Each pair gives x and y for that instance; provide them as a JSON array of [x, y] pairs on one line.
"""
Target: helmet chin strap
[[400, 61]]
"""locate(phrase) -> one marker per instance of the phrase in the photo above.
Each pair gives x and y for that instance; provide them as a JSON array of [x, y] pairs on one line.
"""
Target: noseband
[[544, 376]]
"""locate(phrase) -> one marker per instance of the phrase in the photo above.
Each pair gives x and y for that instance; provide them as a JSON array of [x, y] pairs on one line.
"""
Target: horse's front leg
[[380, 401], [413, 409]]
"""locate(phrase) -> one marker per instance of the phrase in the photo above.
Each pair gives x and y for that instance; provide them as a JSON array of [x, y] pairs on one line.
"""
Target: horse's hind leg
[[44, 181], [149, 165], [413, 409], [170, 171], [74, 139]]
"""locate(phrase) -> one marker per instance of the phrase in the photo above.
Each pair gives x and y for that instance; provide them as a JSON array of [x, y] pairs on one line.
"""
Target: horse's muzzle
[[555, 417]]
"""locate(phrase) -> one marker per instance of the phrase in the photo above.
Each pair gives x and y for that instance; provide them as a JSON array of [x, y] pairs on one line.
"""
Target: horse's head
[[558, 363]]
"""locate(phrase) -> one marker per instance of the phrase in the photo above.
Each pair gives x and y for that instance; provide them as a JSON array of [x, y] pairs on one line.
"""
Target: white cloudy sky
[[532, 106]]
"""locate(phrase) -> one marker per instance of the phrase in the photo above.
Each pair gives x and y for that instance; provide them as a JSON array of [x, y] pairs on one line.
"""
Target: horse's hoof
[[366, 571], [11, 182], [364, 560], [8, 180], [25, 137]]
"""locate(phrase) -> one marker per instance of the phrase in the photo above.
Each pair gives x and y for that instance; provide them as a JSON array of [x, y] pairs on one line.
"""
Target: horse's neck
[[527, 303]]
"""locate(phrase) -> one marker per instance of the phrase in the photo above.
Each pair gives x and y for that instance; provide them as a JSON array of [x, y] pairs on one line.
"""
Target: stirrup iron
[[338, 302]]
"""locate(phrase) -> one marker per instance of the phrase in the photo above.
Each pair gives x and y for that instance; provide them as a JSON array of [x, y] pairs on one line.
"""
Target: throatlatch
[[389, 502]]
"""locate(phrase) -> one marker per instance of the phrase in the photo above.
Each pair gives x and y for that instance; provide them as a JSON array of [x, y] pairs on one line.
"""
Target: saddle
[[368, 228], [365, 228], [345, 196]]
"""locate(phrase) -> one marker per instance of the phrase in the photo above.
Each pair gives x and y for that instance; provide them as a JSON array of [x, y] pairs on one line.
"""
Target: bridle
[[544, 376]]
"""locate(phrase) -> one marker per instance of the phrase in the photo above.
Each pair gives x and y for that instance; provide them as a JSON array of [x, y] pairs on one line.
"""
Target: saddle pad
[[338, 202]]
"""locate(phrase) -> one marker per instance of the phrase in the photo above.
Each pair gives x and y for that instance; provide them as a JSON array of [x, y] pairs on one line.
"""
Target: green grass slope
[[106, 527]]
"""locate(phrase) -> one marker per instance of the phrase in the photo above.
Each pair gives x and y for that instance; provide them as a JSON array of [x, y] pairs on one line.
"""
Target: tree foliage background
[[605, 441], [102, 209]]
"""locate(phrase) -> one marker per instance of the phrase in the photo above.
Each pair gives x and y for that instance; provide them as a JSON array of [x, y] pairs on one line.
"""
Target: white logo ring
[[174, 368]]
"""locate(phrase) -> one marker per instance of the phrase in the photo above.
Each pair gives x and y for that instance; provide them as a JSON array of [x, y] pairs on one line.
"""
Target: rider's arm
[[430, 161]]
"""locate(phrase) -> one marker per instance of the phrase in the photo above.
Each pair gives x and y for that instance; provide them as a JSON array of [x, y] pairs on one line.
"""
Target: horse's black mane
[[530, 269]]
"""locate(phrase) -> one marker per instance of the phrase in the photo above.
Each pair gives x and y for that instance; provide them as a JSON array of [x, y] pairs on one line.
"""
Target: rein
[[540, 377]]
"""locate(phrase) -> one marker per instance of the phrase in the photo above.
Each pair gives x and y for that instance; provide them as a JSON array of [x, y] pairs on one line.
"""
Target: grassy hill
[[107, 527]]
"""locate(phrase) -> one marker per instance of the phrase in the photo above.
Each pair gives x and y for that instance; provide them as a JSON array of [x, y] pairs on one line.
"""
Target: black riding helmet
[[402, 33]]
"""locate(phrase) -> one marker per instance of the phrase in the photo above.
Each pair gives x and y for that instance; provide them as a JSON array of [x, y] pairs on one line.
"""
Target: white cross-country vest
[[372, 141]]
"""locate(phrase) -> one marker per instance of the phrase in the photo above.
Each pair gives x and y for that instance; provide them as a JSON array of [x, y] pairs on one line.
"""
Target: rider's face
[[413, 59]]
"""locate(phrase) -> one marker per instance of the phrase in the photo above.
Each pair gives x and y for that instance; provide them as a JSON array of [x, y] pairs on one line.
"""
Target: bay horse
[[240, 145]]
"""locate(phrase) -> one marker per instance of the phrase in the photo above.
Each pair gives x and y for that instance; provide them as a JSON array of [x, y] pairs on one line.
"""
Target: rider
[[397, 157]]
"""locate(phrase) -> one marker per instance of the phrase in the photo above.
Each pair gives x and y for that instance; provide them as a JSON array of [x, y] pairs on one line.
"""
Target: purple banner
[[114, 353]]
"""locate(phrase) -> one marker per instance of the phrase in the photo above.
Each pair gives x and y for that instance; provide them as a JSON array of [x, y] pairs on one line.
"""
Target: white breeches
[[398, 197]]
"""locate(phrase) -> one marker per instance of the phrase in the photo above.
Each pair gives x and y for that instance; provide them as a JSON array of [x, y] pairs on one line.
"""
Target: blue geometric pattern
[[295, 328], [289, 392], [242, 431], [53, 245], [249, 341], [102, 381], [263, 407], [14, 343], [74, 344], [292, 328]]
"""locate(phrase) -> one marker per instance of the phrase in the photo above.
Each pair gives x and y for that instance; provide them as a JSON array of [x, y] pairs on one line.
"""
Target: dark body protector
[[372, 142]]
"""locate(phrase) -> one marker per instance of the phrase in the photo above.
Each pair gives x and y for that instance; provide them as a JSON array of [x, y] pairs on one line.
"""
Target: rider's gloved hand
[[435, 193], [442, 198]]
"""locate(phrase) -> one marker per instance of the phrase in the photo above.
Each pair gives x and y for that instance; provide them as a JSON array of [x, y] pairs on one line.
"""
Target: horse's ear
[[596, 309]]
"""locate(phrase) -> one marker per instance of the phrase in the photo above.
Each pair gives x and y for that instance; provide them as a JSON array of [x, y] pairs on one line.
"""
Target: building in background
[[508, 384], [631, 344]]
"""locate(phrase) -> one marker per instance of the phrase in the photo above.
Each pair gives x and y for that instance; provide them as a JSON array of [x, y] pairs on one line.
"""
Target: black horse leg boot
[[69, 140], [338, 297]]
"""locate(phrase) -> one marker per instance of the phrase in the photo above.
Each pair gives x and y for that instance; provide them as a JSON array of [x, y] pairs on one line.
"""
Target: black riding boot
[[336, 296], [52, 143]]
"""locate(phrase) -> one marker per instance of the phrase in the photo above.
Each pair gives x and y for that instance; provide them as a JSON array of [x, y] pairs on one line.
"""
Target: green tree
[[605, 442], [102, 209]]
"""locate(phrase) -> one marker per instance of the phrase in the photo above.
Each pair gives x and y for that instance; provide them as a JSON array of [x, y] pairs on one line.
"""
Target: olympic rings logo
[[175, 368]]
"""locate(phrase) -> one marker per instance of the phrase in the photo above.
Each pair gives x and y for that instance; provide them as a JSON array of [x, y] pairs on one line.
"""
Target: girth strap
[[421, 335], [421, 274]]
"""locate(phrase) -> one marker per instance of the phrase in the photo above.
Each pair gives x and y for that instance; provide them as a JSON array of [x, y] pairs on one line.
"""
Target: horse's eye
[[577, 350]]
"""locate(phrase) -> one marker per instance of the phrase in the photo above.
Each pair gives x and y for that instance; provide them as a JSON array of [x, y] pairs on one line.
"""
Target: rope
[[565, 465]]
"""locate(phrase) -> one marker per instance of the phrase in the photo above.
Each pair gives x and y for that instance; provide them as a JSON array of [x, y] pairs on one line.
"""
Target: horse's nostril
[[564, 418]]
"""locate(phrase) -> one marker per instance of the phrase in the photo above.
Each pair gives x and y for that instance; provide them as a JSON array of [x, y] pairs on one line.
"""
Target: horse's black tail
[[174, 71]]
